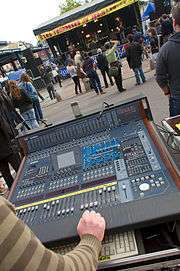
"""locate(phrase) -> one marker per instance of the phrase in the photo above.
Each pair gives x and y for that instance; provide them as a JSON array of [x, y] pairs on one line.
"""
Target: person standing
[[8, 151], [73, 73], [168, 66], [83, 76], [33, 94], [166, 27], [56, 75], [12, 115], [23, 102], [90, 69], [47, 76], [154, 44], [78, 59], [134, 57], [103, 65], [114, 64]]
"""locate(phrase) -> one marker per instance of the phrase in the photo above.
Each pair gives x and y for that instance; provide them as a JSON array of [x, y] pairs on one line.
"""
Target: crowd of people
[[21, 96], [84, 65], [161, 37]]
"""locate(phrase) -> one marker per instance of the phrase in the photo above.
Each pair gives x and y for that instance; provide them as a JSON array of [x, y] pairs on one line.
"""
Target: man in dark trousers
[[89, 68], [114, 63], [46, 74], [168, 65], [8, 153], [134, 58], [103, 65]]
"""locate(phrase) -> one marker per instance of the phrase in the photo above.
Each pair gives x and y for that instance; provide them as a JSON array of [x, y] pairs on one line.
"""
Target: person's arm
[[21, 250], [32, 88], [114, 48], [162, 73]]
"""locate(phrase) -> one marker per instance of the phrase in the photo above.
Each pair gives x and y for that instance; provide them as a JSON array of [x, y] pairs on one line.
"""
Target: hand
[[166, 90], [92, 223]]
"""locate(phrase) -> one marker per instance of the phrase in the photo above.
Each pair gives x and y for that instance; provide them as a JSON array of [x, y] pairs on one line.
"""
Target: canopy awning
[[80, 16]]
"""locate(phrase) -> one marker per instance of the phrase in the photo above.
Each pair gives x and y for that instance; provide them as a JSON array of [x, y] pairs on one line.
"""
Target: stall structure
[[90, 25], [16, 58]]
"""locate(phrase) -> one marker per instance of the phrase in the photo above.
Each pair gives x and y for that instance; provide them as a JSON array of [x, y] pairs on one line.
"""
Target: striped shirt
[[20, 250]]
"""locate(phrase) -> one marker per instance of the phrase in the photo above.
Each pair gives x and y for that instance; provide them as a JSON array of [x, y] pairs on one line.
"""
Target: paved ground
[[90, 102]]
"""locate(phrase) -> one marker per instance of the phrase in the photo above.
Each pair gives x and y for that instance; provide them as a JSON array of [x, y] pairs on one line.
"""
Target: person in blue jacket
[[27, 86]]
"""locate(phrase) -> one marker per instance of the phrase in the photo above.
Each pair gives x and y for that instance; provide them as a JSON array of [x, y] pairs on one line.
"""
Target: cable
[[171, 136], [104, 106]]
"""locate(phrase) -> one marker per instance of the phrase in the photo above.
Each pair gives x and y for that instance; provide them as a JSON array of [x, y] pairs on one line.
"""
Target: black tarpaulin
[[73, 15]]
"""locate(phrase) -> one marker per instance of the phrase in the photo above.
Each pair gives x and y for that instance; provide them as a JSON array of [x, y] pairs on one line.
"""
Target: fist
[[92, 223]]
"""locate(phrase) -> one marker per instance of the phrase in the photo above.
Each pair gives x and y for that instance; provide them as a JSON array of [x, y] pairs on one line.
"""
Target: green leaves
[[69, 5]]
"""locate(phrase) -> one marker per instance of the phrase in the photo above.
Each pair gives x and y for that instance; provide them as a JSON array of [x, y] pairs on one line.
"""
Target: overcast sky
[[19, 17]]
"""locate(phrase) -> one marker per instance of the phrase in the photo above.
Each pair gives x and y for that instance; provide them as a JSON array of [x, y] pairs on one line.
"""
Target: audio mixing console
[[107, 162]]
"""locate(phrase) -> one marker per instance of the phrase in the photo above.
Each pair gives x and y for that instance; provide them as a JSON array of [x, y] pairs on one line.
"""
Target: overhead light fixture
[[82, 32], [101, 24], [84, 25], [112, 30], [99, 31], [88, 36]]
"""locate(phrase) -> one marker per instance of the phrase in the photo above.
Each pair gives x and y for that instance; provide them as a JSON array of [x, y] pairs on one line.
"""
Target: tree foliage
[[69, 5]]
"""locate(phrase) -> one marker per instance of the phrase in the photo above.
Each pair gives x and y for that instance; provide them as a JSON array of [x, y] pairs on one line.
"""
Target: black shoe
[[122, 90]]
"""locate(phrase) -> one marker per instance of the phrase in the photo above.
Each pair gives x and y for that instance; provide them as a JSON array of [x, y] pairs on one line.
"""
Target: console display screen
[[66, 160]]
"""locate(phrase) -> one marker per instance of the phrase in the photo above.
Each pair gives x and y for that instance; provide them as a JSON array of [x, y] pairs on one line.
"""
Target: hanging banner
[[89, 18]]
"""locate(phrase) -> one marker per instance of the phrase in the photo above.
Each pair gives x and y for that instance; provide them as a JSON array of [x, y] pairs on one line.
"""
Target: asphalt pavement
[[56, 112]]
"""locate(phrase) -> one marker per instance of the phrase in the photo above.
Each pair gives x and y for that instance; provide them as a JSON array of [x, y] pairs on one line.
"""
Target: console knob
[[144, 187]]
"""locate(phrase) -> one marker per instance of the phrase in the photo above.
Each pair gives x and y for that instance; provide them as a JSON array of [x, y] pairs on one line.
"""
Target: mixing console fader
[[108, 163]]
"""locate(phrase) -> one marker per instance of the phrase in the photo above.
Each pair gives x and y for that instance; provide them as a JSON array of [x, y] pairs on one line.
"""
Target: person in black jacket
[[134, 57], [166, 27], [8, 154], [46, 74], [168, 66], [103, 65]]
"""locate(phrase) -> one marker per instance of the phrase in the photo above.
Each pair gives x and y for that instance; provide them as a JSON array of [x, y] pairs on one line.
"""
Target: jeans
[[95, 81], [30, 118], [104, 73], [77, 84], [14, 160], [139, 74], [38, 110], [174, 106]]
